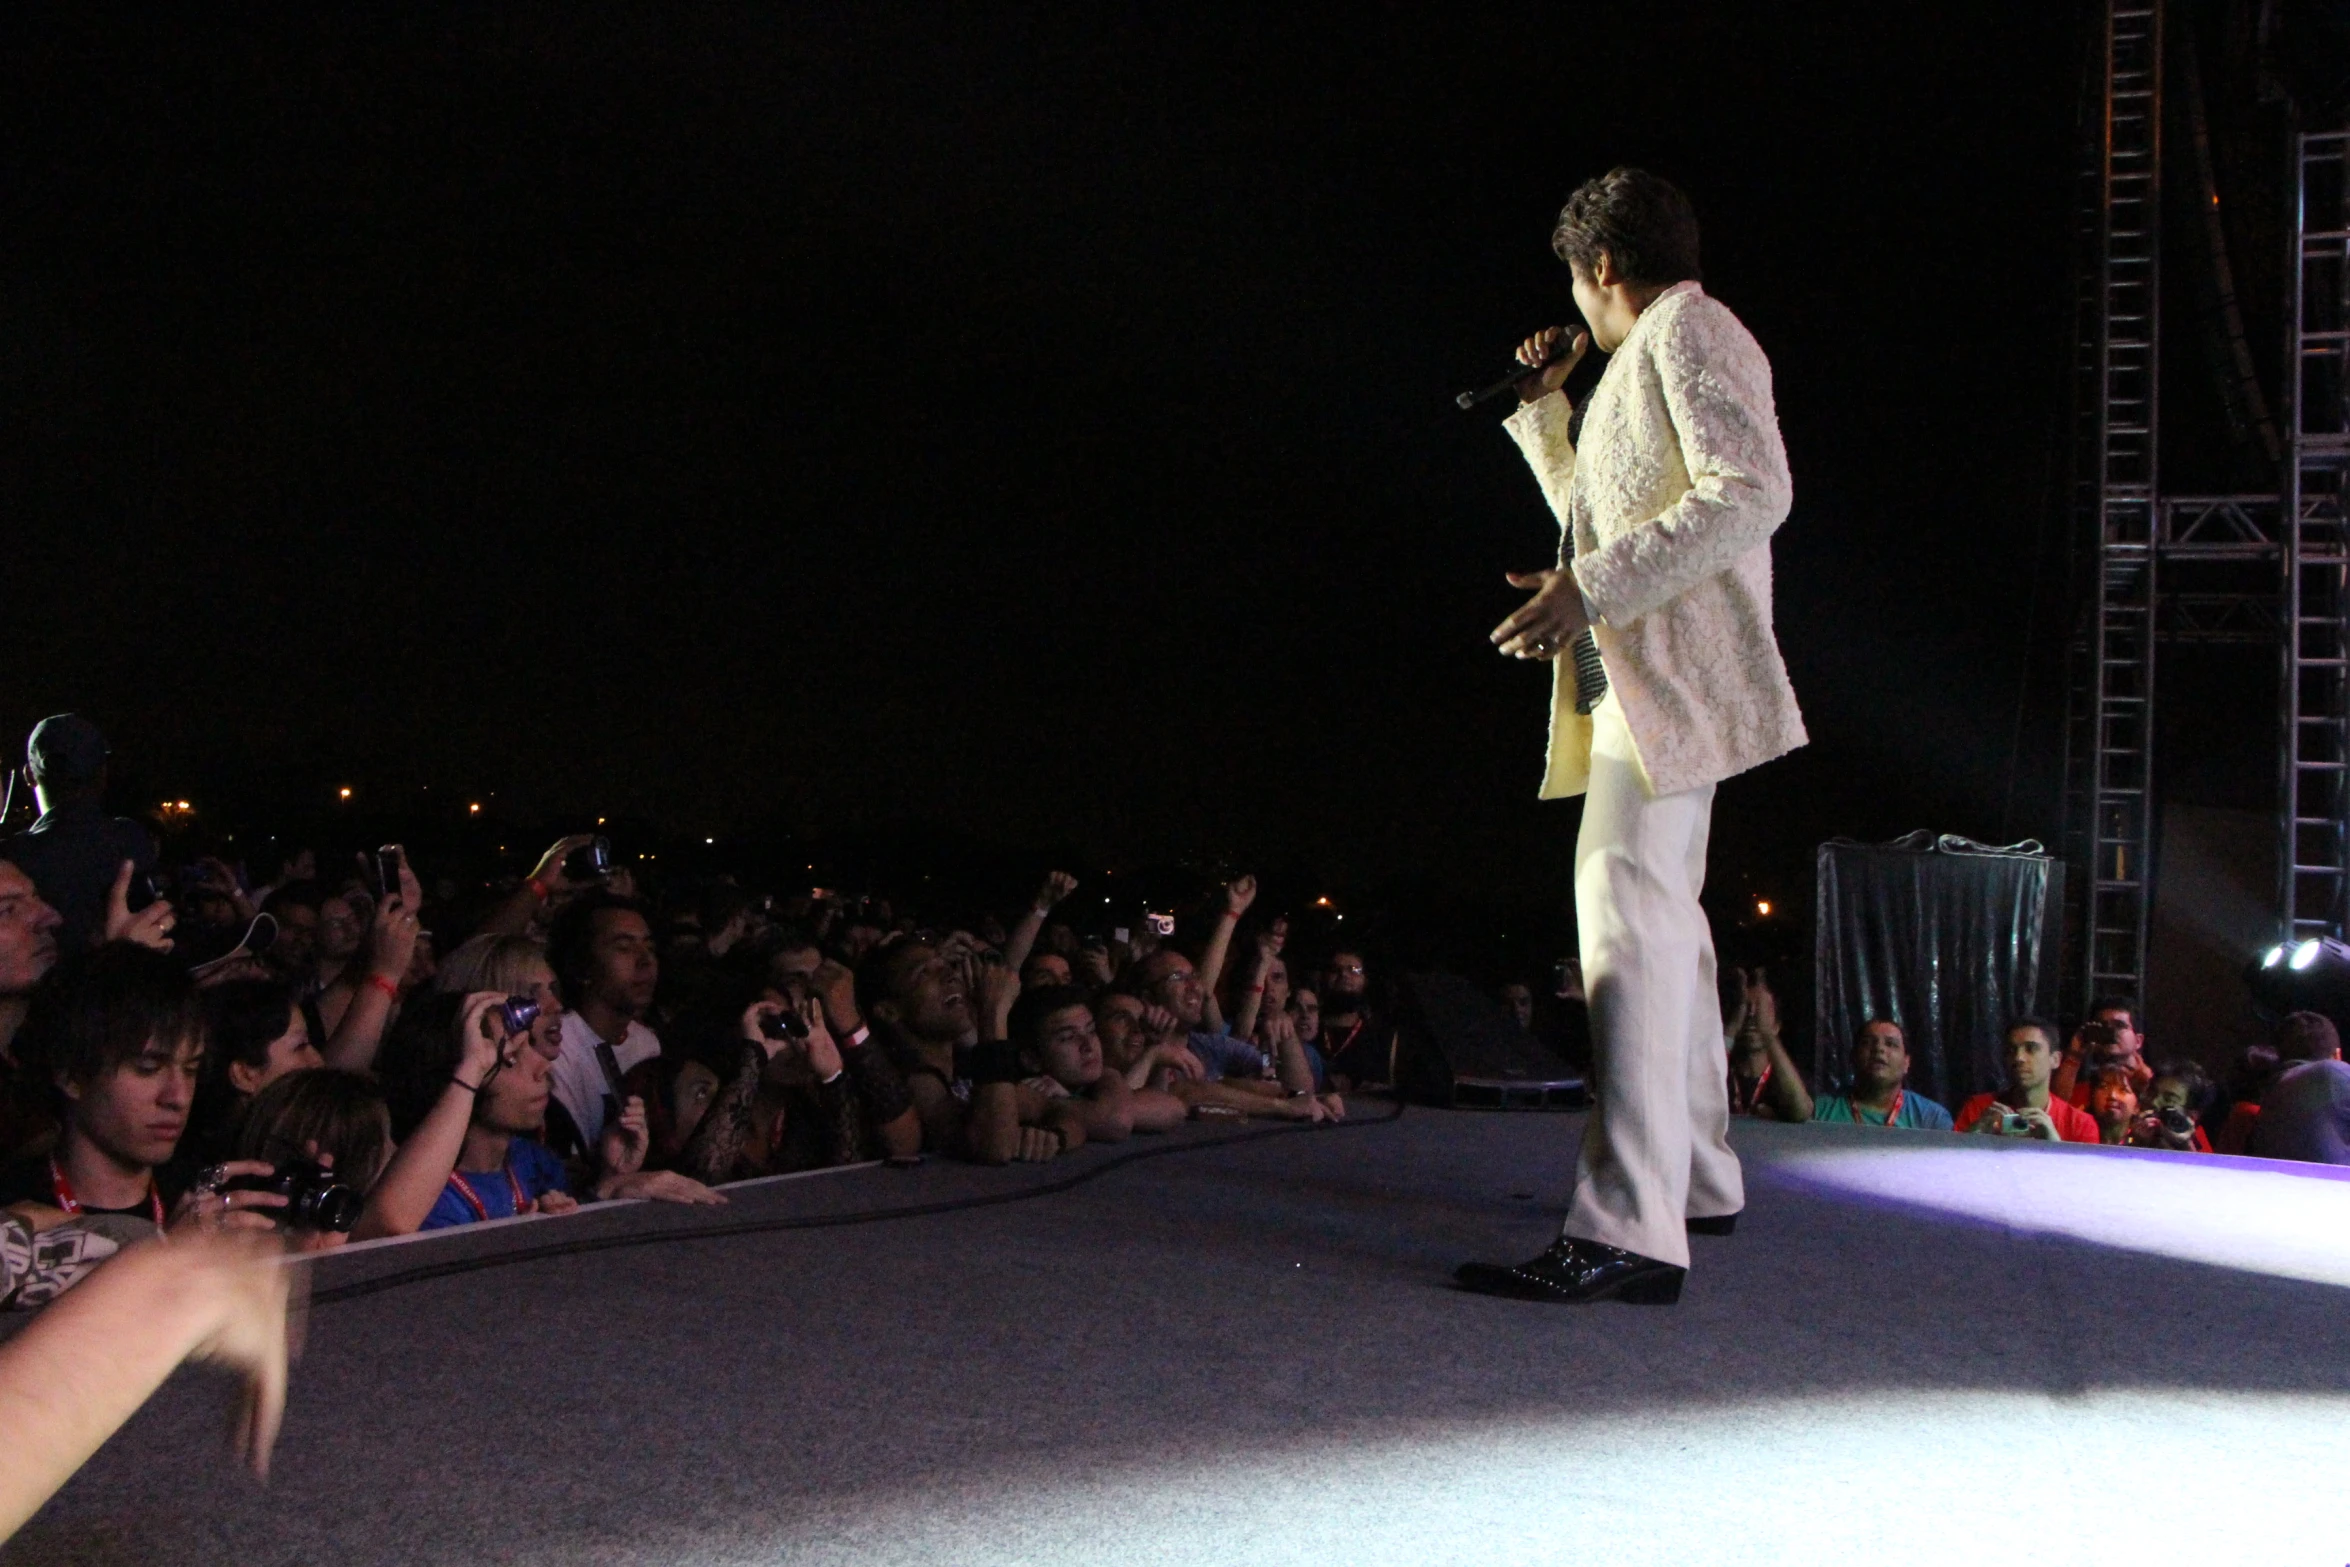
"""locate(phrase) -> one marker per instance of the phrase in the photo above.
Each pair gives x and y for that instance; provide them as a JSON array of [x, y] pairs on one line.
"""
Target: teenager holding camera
[[120, 1033], [2026, 1107], [2171, 1114]]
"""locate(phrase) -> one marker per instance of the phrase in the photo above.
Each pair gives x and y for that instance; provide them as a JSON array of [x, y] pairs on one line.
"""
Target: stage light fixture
[[2309, 975], [344, 793], [1762, 906]]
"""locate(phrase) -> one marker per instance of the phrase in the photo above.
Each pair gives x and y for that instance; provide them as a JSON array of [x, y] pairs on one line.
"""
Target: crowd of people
[[205, 1045], [2289, 1100], [213, 1045]]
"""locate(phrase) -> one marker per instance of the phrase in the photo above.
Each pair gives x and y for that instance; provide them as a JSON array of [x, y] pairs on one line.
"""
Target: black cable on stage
[[821, 1221]]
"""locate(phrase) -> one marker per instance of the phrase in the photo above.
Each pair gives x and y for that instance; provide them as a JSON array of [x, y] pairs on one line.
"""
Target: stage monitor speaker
[[1459, 1047]]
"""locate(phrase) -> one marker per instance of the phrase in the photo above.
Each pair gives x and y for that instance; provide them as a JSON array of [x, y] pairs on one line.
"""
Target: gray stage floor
[[1916, 1349]]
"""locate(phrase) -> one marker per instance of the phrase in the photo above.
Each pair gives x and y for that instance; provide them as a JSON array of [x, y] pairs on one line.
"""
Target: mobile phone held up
[[387, 871], [592, 863]]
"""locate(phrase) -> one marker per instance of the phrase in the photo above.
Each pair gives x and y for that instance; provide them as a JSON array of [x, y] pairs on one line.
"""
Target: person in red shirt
[[2178, 1097], [2110, 1036], [2025, 1107]]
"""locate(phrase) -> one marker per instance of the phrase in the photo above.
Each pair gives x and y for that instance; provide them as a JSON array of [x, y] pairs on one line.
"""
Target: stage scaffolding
[[2155, 569]]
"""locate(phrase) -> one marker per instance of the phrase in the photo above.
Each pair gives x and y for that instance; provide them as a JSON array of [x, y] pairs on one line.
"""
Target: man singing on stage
[[1667, 680]]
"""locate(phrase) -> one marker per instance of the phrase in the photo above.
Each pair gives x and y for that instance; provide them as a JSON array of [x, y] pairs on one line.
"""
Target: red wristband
[[386, 986]]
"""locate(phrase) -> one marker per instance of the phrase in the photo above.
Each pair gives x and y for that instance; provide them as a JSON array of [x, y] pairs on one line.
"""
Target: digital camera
[[315, 1200], [518, 1013], [782, 1025]]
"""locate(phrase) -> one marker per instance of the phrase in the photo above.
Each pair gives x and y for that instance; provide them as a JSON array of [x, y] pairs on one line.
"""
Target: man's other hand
[[1550, 620]]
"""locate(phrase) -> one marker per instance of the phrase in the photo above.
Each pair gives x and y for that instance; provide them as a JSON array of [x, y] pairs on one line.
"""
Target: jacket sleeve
[[1540, 429], [1717, 390]]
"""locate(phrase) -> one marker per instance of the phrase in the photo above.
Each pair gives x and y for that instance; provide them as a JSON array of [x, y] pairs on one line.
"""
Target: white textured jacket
[[1671, 504]]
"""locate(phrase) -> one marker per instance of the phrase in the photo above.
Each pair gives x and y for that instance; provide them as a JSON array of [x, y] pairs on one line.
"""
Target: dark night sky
[[1036, 423]]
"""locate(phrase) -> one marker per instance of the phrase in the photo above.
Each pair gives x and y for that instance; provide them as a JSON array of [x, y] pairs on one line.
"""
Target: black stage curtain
[[1944, 936]]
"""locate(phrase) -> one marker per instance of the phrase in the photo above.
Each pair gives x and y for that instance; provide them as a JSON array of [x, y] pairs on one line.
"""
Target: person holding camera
[[120, 1032], [2170, 1116], [2108, 1037], [2025, 1107]]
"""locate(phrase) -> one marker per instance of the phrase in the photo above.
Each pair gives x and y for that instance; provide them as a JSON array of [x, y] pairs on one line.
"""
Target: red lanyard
[[63, 1189], [1746, 1106], [472, 1198], [1892, 1110], [1342, 1046]]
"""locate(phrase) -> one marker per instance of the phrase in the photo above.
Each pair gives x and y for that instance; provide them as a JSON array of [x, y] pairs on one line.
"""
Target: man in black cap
[[75, 851]]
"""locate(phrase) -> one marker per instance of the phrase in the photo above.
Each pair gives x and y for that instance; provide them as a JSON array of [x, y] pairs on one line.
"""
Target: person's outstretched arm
[[1237, 897], [513, 917], [1785, 1093], [359, 1035], [1057, 885], [88, 1361], [403, 1196]]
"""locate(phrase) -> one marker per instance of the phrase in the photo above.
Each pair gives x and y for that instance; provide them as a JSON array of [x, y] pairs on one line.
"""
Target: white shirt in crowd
[[579, 1083]]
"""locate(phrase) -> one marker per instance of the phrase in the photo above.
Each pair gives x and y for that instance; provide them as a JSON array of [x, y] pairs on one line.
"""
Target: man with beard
[[1880, 1064], [1357, 1043]]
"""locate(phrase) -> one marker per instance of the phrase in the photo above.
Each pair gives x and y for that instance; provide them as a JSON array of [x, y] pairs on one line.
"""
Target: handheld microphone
[[1518, 373]]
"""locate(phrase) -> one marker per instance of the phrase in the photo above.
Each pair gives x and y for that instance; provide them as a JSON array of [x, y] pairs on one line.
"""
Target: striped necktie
[[1590, 673]]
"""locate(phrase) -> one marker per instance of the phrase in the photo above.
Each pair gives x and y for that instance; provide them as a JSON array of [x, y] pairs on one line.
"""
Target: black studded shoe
[[1575, 1273]]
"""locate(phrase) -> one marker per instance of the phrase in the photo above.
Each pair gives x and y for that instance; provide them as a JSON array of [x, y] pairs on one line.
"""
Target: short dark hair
[[244, 1017], [1862, 1031], [2047, 1030], [101, 1009], [344, 1113], [877, 972], [2191, 1075], [1035, 1007], [571, 940], [2105, 1004], [419, 1056], [295, 895], [1643, 222], [2307, 1036]]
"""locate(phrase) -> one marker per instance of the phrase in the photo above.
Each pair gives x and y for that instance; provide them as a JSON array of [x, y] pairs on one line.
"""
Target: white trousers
[[1656, 1149]]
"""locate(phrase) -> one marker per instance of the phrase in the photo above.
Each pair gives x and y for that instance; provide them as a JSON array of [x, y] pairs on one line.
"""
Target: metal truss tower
[[2314, 746], [2122, 498]]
